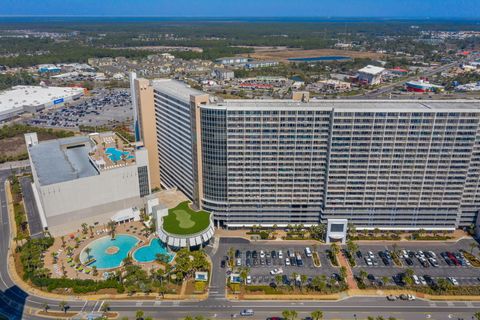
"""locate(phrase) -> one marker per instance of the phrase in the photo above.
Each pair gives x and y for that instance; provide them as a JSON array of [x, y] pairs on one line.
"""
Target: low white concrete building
[[21, 99], [86, 179]]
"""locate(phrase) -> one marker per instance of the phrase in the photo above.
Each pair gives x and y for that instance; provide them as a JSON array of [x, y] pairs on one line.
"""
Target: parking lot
[[261, 268], [430, 260], [105, 106], [263, 258]]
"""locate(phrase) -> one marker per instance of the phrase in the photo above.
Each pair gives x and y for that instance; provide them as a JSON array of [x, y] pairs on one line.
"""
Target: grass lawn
[[182, 220]]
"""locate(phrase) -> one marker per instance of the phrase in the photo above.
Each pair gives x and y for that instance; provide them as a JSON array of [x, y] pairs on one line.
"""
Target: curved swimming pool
[[149, 253], [108, 253]]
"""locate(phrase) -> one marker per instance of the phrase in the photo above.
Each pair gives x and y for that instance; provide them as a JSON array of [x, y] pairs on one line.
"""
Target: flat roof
[[352, 105], [372, 70], [20, 96], [62, 160], [175, 88]]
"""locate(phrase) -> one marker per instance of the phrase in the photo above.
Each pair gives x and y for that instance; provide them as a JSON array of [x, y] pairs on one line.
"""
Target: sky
[[245, 8]]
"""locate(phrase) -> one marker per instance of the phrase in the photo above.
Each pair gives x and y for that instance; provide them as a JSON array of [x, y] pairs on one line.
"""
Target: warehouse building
[[87, 179], [385, 164], [31, 99]]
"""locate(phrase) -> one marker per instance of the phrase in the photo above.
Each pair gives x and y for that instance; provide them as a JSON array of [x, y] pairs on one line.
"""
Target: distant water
[[322, 58]]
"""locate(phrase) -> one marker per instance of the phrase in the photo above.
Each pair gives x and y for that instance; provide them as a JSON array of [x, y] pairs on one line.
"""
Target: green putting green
[[182, 220]]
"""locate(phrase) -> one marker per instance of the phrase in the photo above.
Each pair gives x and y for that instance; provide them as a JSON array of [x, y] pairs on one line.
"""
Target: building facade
[[380, 164]]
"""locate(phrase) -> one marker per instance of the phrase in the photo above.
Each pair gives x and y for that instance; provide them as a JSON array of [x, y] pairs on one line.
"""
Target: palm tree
[[317, 315], [385, 280], [139, 314], [87, 251], [84, 228], [362, 274], [289, 314], [63, 241], [45, 307], [472, 245], [91, 231], [278, 279], [113, 227], [63, 306], [105, 307]]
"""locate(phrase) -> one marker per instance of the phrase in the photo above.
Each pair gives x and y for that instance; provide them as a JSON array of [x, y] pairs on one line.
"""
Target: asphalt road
[[16, 304], [33, 217]]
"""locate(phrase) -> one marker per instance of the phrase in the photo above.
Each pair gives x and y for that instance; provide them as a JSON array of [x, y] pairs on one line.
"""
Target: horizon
[[406, 9]]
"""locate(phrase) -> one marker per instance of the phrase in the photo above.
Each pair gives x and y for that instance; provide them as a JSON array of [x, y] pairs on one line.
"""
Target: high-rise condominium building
[[386, 164]]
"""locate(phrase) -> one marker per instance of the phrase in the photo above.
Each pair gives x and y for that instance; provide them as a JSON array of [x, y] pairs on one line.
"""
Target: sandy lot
[[282, 54]]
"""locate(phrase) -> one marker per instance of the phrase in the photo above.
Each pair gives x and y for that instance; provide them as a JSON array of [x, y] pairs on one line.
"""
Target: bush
[[264, 289], [200, 286]]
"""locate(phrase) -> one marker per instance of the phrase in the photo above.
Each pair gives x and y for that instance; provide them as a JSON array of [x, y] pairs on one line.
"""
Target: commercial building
[[422, 86], [21, 99], [232, 60], [86, 179], [370, 75], [378, 163], [261, 64]]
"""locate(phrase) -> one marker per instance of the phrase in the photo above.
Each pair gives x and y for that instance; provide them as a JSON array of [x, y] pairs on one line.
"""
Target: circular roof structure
[[183, 227]]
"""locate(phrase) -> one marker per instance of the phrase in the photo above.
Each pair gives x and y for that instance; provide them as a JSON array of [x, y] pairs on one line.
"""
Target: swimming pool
[[116, 155], [149, 253], [322, 58], [108, 253]]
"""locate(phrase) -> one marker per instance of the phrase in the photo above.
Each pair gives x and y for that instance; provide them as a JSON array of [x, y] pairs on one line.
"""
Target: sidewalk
[[351, 283]]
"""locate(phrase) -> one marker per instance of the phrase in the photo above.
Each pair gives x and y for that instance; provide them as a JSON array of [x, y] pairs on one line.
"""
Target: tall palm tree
[[113, 228], [45, 307], [88, 250], [63, 306], [317, 315], [139, 314], [472, 245]]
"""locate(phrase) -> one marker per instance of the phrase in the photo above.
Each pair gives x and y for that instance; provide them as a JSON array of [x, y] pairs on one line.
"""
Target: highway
[[16, 304]]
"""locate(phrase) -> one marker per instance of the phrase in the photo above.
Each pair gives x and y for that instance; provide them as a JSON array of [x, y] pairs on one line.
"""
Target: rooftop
[[182, 220], [20, 96], [372, 70], [62, 160], [177, 89], [352, 105], [66, 159]]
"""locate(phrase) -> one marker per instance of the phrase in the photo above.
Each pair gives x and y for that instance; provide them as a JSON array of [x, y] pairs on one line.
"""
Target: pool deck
[[111, 140], [98, 232]]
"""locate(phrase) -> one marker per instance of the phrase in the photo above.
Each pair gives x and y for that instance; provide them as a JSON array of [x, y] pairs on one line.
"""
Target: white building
[[86, 179], [370, 75], [32, 99]]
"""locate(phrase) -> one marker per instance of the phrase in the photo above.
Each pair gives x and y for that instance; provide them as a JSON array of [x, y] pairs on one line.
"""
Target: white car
[[287, 261], [415, 279], [410, 297], [276, 271], [249, 280], [239, 262], [262, 254], [371, 255], [432, 254], [247, 313], [308, 252], [453, 281], [280, 254], [422, 280]]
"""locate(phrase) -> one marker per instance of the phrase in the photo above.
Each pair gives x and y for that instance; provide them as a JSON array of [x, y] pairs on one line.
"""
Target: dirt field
[[16, 145], [282, 54]]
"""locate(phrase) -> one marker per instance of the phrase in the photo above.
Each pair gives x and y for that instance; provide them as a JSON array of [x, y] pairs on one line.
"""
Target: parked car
[[308, 252], [249, 280], [453, 281]]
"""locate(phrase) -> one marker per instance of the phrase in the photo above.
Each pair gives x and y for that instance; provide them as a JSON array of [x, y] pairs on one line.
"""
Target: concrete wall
[[108, 187], [147, 123]]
